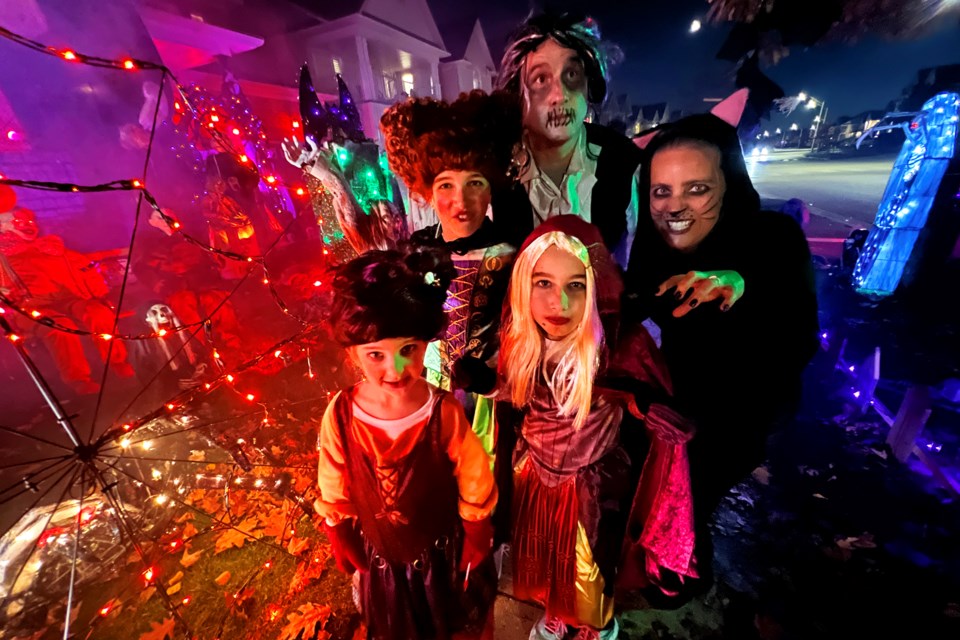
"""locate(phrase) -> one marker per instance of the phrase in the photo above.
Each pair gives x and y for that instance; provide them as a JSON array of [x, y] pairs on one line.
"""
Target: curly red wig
[[476, 132]]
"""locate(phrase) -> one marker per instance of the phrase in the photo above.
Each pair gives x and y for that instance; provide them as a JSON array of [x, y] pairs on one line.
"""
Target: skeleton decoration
[[161, 318]]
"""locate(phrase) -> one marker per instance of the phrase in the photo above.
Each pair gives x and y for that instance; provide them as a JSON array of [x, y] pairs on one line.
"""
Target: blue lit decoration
[[916, 199]]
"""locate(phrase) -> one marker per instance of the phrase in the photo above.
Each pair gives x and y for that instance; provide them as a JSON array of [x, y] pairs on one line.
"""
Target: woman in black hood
[[736, 367]]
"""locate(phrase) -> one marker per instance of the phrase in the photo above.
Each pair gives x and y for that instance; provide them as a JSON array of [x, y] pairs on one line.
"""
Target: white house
[[470, 66]]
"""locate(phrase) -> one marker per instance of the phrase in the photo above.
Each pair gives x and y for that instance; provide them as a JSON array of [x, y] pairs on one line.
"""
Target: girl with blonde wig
[[581, 380], [579, 351]]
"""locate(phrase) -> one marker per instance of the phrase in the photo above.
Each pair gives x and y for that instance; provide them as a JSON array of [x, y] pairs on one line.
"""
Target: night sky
[[664, 62]]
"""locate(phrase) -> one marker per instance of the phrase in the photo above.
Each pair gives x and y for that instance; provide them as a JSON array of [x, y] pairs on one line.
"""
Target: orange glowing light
[[277, 353], [244, 158], [129, 64], [214, 118], [35, 314], [296, 125], [162, 332], [106, 336], [176, 225], [176, 105], [251, 397], [271, 179], [171, 406], [266, 281], [300, 191], [127, 427], [186, 600], [230, 377], [105, 611], [13, 337], [69, 55], [148, 575], [236, 131], [137, 184]]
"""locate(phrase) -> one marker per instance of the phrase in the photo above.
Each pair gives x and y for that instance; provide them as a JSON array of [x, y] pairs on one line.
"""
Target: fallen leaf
[[190, 559], [236, 536], [762, 475], [847, 543], [879, 452], [865, 541], [189, 531], [160, 630], [177, 577], [147, 593], [174, 589], [188, 515], [296, 546], [305, 620], [197, 456], [223, 578]]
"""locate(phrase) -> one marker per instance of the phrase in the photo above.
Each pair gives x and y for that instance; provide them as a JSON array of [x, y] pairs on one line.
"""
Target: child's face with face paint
[[555, 93], [391, 365]]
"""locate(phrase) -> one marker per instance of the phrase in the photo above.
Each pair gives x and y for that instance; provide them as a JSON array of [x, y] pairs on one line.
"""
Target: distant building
[[470, 65], [651, 116]]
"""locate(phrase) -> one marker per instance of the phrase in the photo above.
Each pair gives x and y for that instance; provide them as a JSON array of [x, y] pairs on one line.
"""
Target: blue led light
[[909, 197]]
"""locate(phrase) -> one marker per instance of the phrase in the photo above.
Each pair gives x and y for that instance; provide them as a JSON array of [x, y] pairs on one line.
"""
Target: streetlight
[[794, 127], [695, 26], [812, 103]]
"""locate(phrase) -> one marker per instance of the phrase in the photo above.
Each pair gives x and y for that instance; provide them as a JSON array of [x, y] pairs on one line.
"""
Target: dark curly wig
[[476, 132], [391, 294], [572, 31]]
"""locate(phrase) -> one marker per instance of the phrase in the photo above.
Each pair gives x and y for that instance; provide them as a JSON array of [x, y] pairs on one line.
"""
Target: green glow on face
[[400, 362]]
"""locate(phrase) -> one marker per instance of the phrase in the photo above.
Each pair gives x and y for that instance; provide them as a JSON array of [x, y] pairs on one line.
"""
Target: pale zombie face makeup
[[393, 365], [555, 93], [461, 199], [559, 295], [686, 194]]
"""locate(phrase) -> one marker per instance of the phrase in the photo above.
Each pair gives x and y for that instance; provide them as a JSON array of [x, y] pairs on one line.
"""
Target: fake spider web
[[122, 518]]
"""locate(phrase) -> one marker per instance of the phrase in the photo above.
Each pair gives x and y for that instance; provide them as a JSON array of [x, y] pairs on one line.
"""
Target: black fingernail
[[694, 302], [724, 307], [678, 294]]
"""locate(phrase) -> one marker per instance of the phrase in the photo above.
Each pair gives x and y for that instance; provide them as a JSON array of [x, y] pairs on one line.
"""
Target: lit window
[[407, 80], [337, 65]]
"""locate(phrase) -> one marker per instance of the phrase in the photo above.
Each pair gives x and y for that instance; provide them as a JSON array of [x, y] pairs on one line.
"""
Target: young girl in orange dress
[[405, 485]]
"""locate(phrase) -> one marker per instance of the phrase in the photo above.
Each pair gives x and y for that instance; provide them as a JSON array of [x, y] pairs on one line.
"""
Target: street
[[843, 193]]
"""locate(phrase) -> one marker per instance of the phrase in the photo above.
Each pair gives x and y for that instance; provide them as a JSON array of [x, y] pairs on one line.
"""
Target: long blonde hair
[[523, 360]]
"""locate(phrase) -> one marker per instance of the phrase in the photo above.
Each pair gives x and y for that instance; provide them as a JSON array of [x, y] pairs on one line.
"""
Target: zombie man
[[557, 66]]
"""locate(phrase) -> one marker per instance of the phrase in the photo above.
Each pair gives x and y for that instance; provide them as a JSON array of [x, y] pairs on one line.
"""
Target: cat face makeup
[[686, 193]]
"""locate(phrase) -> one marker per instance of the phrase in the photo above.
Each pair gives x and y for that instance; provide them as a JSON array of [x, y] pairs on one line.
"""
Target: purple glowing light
[[12, 135]]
